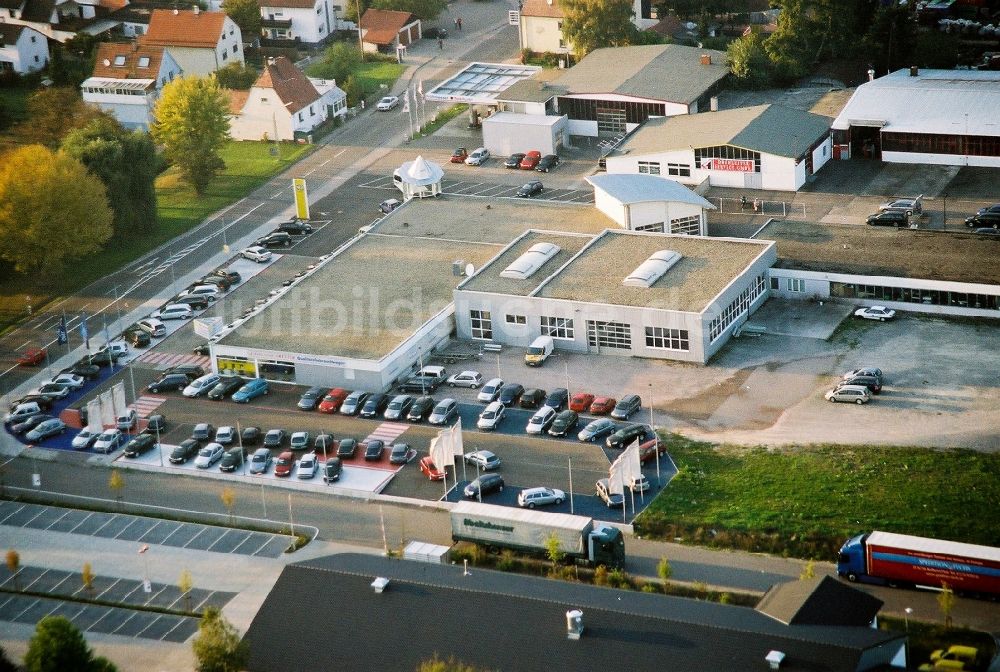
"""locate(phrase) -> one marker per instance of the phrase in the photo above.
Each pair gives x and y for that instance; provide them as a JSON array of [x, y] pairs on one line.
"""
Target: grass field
[[372, 75], [248, 165], [806, 501]]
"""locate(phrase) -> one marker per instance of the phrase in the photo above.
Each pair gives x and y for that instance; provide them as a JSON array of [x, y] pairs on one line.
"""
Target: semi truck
[[528, 531], [892, 559]]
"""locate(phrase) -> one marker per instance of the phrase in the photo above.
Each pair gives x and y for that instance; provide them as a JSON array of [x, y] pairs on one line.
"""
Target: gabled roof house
[[127, 81], [200, 42]]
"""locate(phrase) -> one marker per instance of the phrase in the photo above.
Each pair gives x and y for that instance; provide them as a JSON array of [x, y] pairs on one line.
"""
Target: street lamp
[[906, 618]]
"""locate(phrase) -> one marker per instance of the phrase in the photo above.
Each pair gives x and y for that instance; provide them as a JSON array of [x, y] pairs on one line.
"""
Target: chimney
[[706, 59], [774, 659], [574, 624], [914, 71]]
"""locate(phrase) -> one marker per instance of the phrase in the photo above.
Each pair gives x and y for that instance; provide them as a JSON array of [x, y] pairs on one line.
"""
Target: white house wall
[[758, 269], [507, 138], [942, 159], [132, 112], [29, 54], [610, 206], [311, 26], [541, 34], [778, 173], [822, 153]]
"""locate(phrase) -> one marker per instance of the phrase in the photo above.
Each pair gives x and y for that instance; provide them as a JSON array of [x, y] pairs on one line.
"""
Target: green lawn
[[248, 165], [371, 75], [806, 501]]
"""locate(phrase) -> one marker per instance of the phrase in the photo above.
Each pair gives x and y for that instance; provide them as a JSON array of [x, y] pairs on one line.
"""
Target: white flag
[[107, 410], [633, 467], [420, 88], [406, 100], [616, 476], [439, 453], [94, 416], [118, 398], [457, 444]]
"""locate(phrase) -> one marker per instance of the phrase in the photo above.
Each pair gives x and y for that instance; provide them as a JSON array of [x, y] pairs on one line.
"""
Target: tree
[[185, 583], [246, 15], [236, 76], [593, 24], [891, 40], [218, 647], [353, 89], [423, 9], [58, 646], [436, 664], [338, 62], [808, 571], [51, 209], [946, 602], [126, 163], [748, 61], [116, 483], [228, 497], [52, 113], [87, 576], [664, 571], [192, 124], [14, 565]]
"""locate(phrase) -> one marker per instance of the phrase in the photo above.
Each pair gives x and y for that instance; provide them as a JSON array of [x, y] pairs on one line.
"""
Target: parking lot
[[475, 187]]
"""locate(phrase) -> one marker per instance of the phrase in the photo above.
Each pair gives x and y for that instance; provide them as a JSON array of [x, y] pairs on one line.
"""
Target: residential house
[[308, 21], [22, 49], [385, 31], [61, 20], [200, 42], [284, 104], [127, 81], [540, 24]]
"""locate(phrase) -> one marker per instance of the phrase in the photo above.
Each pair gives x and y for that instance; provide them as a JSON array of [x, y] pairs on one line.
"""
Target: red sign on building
[[734, 165]]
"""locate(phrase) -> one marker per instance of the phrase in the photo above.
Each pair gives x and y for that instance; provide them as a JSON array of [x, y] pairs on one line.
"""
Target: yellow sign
[[301, 199], [237, 366]]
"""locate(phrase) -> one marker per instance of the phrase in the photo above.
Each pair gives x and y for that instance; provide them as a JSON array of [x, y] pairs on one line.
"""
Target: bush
[[236, 76]]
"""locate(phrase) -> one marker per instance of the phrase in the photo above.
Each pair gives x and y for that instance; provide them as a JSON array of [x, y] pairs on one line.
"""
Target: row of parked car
[[857, 386], [532, 160]]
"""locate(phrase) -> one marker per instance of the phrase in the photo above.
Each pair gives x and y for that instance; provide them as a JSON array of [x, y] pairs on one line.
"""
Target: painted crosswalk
[[164, 360], [146, 404], [388, 432]]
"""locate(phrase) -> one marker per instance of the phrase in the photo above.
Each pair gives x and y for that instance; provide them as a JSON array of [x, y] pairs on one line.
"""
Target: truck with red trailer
[[891, 559]]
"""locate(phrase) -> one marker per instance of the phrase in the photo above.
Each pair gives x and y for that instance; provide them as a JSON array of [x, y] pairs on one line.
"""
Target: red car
[[603, 405], [331, 402], [650, 448], [32, 357], [459, 155], [429, 470], [580, 402], [285, 463], [531, 159]]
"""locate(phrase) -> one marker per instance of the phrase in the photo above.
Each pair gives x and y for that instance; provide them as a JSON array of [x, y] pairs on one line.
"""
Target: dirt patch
[[702, 405]]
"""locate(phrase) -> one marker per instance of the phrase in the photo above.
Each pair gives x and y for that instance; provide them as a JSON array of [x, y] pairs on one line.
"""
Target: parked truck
[[528, 531], [902, 560]]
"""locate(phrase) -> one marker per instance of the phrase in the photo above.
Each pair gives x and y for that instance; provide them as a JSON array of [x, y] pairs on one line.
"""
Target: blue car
[[251, 390]]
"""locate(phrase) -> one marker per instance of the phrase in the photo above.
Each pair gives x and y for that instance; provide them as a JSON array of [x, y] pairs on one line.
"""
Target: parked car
[[139, 445], [628, 434], [286, 462], [311, 398], [484, 485], [445, 410], [52, 391], [375, 405], [531, 497], [547, 163], [459, 155], [192, 371], [127, 420], [864, 371], [638, 483], [25, 425], [491, 390], [85, 439], [201, 386], [374, 449], [84, 368], [580, 402], [67, 380], [533, 398], [491, 416], [254, 388], [256, 253], [880, 313], [873, 383], [331, 402], [911, 206], [274, 239], [478, 157], [153, 327], [388, 205], [428, 469], [136, 337], [398, 407], [324, 442], [250, 436], [387, 103], [986, 231], [232, 459], [202, 431], [226, 387], [308, 466], [22, 411], [187, 449], [331, 469], [897, 218], [603, 405], [510, 394], [232, 276], [31, 357], [299, 441], [421, 408], [354, 402], [597, 429], [565, 422], [557, 398], [484, 459], [989, 219], [196, 302], [260, 461], [470, 379], [850, 393], [399, 453], [613, 500], [427, 379], [626, 407], [296, 227], [347, 447], [225, 435], [650, 449], [274, 438], [209, 455], [531, 159], [529, 189], [174, 311], [46, 429], [541, 420]]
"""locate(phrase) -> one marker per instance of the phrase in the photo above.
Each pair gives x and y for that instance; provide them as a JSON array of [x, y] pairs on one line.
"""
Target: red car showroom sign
[[734, 165]]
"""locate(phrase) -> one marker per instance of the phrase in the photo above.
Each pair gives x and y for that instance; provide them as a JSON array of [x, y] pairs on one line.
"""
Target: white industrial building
[[762, 147], [510, 132], [946, 117], [650, 203]]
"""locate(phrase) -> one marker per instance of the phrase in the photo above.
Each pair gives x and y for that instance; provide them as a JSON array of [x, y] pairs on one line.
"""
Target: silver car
[[491, 416], [260, 461], [859, 394], [532, 497]]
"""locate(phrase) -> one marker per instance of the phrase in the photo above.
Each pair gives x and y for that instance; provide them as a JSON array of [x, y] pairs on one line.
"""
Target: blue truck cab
[[851, 561]]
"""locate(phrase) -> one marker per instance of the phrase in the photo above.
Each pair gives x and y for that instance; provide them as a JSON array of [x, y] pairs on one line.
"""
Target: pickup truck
[[426, 380]]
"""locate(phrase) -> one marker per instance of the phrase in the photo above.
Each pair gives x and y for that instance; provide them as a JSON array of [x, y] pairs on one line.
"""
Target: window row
[[928, 143], [737, 308], [704, 155], [663, 338], [929, 297], [690, 226], [635, 113], [557, 327], [616, 335]]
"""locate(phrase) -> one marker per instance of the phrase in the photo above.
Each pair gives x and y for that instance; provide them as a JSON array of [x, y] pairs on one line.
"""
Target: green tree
[[58, 645], [891, 40], [13, 560], [808, 571], [192, 124], [116, 483], [126, 163], [246, 15], [748, 61], [946, 603], [664, 571], [185, 583], [436, 664], [593, 24], [353, 89], [87, 577], [424, 9], [218, 647], [554, 550], [236, 76], [52, 113], [338, 62], [51, 209]]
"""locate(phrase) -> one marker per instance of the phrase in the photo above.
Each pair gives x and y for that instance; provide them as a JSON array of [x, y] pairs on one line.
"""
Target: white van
[[539, 351], [200, 386]]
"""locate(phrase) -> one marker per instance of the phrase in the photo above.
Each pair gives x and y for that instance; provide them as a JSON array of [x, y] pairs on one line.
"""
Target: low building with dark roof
[[761, 147], [509, 622], [820, 601]]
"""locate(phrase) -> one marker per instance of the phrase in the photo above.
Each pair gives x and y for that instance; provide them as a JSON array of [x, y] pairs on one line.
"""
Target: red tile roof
[[381, 26], [543, 8], [184, 28], [291, 86], [290, 4], [110, 53], [237, 99]]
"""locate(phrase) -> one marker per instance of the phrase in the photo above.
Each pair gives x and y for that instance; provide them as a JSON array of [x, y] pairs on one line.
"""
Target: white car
[[84, 439], [153, 327], [261, 255], [209, 455], [469, 379], [174, 311], [127, 420], [880, 313], [491, 390], [201, 386], [225, 435], [541, 420], [299, 441], [532, 497], [69, 380], [108, 440], [51, 390], [484, 459], [478, 157], [308, 465], [209, 292], [491, 416], [443, 412], [387, 103]]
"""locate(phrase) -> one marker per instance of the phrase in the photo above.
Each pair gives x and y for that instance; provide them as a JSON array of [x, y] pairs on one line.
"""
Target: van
[[539, 351], [200, 386], [22, 411]]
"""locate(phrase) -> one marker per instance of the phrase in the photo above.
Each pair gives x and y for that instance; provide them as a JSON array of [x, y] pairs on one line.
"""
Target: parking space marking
[[200, 532], [165, 360], [24, 611], [172, 532], [81, 522], [113, 516], [128, 525], [124, 622], [12, 514], [387, 431], [58, 519], [155, 525], [146, 404], [113, 584], [221, 537], [33, 582], [262, 546], [59, 583], [245, 540]]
